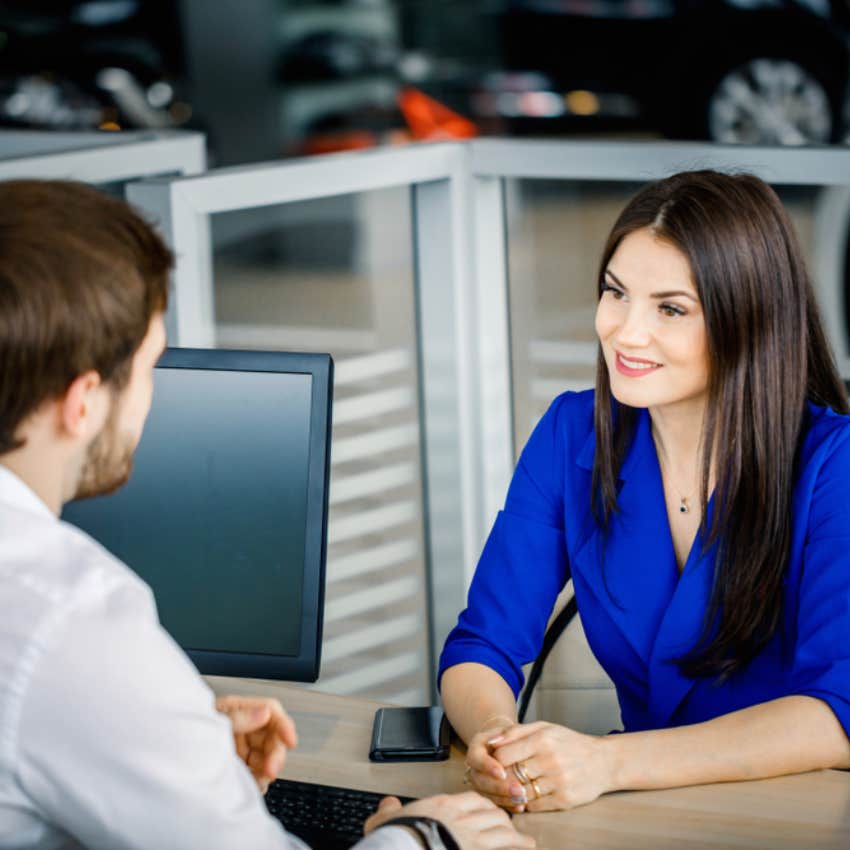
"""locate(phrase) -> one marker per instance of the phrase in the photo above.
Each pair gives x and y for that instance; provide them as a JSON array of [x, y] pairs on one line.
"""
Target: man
[[108, 737]]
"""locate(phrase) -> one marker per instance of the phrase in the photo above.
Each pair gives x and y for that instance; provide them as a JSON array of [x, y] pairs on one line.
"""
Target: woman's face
[[651, 325]]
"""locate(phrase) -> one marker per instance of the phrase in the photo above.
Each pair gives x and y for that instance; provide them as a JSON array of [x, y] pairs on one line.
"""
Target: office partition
[[100, 158], [391, 226], [489, 249]]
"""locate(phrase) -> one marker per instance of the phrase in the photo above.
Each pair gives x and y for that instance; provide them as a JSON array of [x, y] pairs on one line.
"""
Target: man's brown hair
[[81, 276]]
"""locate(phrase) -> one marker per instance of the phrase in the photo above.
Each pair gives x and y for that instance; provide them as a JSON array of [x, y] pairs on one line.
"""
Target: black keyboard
[[324, 817]]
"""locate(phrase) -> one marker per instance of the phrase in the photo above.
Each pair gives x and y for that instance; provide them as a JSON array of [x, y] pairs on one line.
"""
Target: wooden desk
[[806, 812]]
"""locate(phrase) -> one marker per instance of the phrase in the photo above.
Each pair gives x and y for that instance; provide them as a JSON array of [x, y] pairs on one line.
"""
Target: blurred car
[[735, 71], [84, 64]]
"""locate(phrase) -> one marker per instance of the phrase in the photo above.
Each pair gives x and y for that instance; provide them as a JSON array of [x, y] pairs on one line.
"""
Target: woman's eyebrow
[[670, 294]]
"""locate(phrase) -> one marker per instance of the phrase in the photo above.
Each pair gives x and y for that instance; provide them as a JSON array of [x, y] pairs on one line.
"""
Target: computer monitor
[[225, 513]]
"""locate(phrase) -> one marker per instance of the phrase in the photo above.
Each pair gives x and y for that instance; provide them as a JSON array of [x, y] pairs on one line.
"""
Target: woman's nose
[[634, 331]]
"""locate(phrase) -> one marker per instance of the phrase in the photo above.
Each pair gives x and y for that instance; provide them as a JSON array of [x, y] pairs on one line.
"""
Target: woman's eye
[[616, 294], [672, 310]]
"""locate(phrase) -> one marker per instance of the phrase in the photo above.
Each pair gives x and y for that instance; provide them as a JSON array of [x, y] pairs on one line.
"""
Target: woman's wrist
[[497, 721], [611, 758]]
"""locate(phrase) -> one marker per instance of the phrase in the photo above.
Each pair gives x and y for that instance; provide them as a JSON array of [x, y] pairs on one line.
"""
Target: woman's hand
[[475, 823], [488, 775], [262, 731], [564, 768]]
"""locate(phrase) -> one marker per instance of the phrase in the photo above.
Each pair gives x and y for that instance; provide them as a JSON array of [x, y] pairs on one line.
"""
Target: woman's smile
[[635, 367]]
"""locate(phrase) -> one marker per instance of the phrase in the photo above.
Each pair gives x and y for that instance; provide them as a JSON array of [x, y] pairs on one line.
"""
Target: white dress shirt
[[109, 738]]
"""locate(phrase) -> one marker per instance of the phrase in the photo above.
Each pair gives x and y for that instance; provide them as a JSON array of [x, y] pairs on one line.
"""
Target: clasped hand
[[262, 732], [538, 767]]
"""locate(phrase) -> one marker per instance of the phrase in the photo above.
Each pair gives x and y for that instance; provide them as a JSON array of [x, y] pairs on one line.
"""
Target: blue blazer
[[652, 615]]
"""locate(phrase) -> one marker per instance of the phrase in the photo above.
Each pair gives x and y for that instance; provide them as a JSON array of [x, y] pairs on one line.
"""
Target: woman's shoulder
[[569, 418], [824, 425], [826, 437], [563, 435], [574, 407]]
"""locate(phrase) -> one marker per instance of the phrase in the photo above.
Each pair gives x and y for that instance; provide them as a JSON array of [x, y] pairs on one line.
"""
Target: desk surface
[[806, 812]]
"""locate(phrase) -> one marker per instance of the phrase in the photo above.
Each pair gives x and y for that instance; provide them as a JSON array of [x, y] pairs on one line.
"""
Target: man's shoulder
[[55, 564], [50, 573]]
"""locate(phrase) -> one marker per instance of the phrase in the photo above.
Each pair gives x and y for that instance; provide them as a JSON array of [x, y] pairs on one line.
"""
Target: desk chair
[[572, 688]]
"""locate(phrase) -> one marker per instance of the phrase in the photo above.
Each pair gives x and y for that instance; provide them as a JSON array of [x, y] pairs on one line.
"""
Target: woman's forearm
[[788, 735], [473, 694]]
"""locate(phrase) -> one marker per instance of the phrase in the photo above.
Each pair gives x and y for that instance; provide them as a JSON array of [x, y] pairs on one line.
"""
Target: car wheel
[[770, 102]]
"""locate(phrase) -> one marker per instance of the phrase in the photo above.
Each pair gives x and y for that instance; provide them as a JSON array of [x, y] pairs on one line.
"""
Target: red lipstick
[[635, 371]]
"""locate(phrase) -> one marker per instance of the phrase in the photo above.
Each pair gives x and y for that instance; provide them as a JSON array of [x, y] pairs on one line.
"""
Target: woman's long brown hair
[[768, 354]]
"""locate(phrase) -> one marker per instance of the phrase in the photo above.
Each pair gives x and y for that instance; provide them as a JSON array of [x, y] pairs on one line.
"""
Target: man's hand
[[474, 822], [263, 733]]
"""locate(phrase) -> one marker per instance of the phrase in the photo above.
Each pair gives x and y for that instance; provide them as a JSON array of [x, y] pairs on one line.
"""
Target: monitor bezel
[[305, 666]]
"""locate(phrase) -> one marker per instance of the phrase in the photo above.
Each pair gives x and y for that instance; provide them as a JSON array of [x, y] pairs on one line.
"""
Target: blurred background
[[267, 80], [272, 78]]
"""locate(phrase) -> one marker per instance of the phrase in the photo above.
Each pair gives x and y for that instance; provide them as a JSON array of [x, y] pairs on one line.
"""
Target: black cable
[[555, 630]]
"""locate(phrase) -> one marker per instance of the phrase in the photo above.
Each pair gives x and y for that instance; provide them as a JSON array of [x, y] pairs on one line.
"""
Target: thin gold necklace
[[684, 507]]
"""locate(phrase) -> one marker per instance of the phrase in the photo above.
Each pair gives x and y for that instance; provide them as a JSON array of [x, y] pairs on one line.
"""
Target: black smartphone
[[410, 734]]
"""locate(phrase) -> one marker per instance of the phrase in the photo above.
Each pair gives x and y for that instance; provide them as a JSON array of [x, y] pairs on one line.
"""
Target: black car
[[746, 71], [82, 64]]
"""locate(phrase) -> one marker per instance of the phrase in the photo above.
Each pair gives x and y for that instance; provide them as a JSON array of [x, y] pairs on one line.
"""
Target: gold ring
[[466, 774], [519, 772], [536, 787]]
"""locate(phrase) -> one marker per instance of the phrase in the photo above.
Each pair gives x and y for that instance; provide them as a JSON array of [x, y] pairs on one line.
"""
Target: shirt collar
[[14, 491]]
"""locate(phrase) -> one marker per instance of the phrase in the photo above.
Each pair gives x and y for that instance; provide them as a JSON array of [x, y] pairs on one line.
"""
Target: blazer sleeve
[[822, 652], [523, 566]]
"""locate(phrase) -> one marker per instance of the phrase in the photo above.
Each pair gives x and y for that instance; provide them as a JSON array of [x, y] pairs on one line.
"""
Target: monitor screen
[[225, 513]]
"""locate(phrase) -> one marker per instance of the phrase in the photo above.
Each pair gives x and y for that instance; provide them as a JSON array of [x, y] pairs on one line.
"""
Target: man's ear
[[81, 409]]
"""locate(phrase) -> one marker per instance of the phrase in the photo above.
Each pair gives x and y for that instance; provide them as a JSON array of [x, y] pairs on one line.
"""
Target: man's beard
[[109, 460]]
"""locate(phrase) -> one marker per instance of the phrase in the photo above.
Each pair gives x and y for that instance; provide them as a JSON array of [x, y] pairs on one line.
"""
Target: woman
[[700, 500]]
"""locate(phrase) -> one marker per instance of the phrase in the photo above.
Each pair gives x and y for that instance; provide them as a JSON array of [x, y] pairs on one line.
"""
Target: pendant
[[683, 507]]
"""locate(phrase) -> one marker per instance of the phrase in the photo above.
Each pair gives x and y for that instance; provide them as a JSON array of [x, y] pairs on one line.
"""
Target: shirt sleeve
[[822, 653], [388, 838], [523, 566], [119, 743]]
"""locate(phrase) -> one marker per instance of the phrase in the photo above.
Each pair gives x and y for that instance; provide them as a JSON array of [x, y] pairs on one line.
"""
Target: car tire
[[770, 101]]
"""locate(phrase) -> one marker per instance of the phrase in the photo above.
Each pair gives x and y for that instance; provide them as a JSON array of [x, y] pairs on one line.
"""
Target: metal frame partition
[[458, 194], [451, 318], [100, 157]]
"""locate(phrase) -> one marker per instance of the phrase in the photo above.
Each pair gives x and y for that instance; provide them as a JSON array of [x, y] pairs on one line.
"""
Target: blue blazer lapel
[[658, 612], [640, 564], [680, 629]]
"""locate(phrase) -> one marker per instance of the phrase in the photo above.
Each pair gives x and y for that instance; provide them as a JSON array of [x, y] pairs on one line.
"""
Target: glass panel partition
[[336, 275], [556, 231], [365, 256]]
